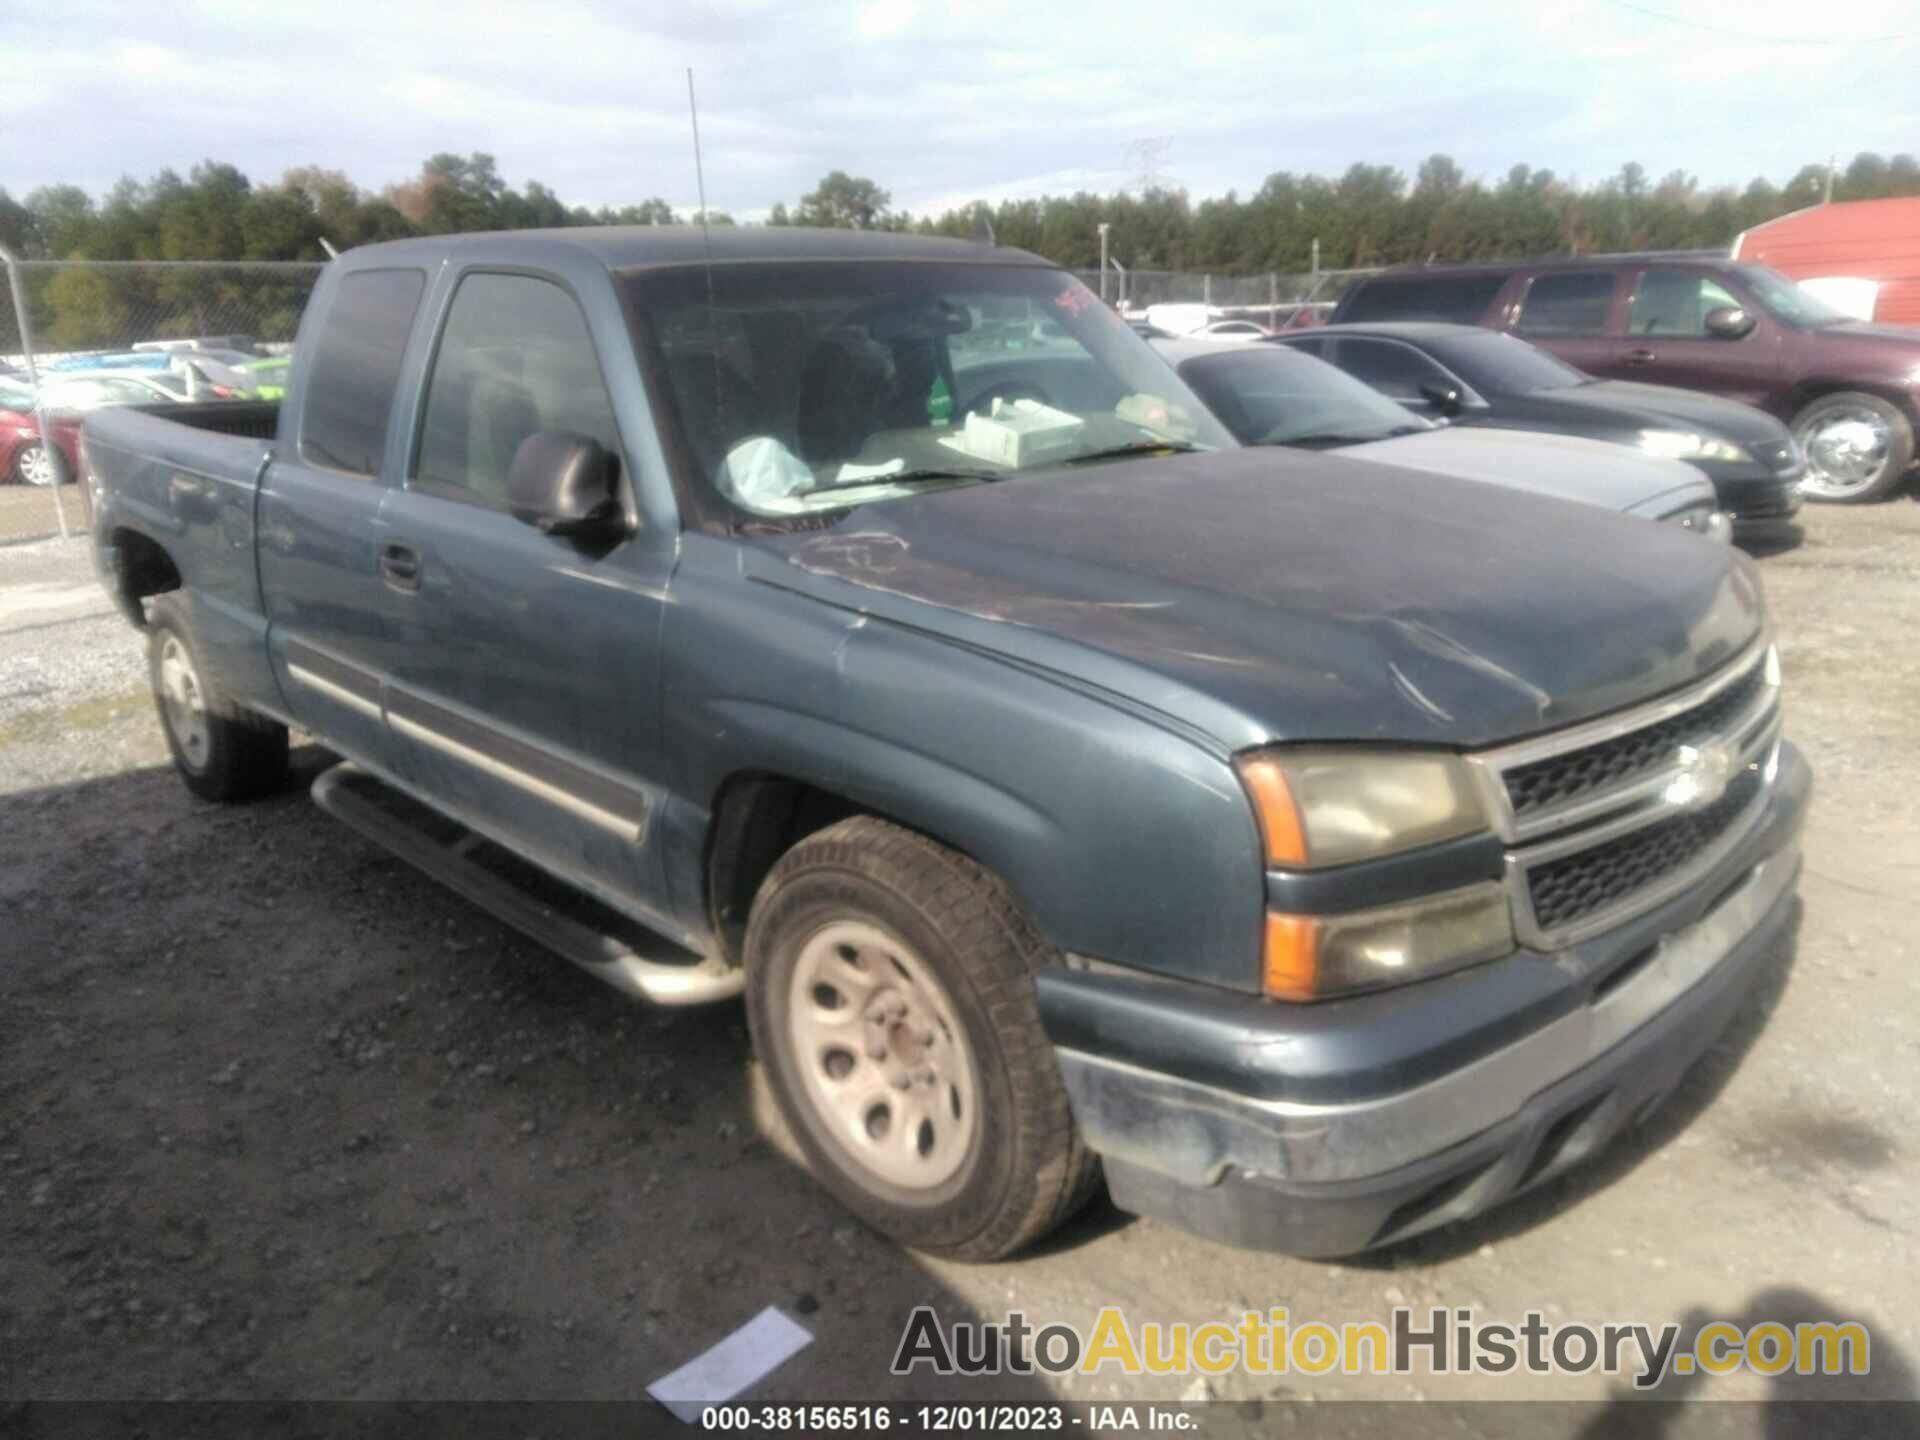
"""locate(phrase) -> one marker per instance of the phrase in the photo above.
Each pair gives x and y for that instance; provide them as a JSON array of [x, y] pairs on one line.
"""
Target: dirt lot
[[29, 513], [278, 1118]]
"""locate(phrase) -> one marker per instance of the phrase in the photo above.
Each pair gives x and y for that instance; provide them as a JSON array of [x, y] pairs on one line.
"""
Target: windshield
[[1508, 365], [1788, 301], [802, 388], [1270, 395]]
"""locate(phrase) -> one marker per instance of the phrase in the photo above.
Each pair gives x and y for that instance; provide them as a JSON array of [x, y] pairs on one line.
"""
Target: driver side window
[[1674, 303], [1392, 369], [515, 360]]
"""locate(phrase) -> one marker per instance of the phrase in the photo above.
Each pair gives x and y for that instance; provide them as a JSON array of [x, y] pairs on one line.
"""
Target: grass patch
[[83, 715]]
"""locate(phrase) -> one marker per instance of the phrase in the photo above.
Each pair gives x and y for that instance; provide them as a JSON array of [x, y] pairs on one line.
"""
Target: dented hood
[[1264, 594]]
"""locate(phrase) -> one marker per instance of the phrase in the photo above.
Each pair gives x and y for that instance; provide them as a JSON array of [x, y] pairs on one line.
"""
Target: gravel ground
[[27, 512], [279, 1118]]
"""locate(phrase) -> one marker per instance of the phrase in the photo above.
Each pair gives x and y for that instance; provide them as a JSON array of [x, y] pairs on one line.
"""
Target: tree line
[[1370, 215]]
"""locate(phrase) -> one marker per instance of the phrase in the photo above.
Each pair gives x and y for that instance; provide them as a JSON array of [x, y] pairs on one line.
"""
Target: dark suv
[[1849, 390]]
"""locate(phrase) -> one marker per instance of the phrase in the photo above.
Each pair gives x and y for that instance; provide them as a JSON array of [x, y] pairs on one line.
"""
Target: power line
[[1760, 39]]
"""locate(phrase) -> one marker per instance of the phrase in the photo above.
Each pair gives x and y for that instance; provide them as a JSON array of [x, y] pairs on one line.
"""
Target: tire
[[223, 752], [35, 464], [1858, 447], [932, 962]]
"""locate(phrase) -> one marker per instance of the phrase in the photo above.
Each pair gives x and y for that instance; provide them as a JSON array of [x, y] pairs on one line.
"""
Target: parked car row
[[1487, 381], [1319, 849], [72, 386], [1849, 391], [1280, 395]]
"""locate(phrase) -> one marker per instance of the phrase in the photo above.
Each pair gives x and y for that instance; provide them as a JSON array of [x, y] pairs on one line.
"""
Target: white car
[[90, 389], [1240, 331], [1275, 395]]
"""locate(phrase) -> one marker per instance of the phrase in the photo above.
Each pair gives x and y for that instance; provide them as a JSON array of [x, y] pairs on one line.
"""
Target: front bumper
[[1764, 504], [1329, 1129]]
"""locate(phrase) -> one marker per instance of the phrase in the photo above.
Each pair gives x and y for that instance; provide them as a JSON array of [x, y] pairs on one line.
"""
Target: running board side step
[[607, 945]]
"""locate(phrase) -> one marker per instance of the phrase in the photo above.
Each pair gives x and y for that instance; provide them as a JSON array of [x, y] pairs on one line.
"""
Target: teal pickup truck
[[1319, 852]]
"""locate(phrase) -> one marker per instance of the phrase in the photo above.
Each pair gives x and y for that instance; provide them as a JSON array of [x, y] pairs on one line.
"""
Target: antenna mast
[[699, 171]]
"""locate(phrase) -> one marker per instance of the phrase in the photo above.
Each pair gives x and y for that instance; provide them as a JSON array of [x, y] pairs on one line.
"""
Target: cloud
[[939, 102], [883, 19]]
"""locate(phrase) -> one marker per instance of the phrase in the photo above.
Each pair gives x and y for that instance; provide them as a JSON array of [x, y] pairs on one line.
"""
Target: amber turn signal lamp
[[1266, 784], [1290, 970]]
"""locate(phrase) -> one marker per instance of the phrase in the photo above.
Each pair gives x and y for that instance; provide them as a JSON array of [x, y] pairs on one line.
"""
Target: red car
[[23, 459]]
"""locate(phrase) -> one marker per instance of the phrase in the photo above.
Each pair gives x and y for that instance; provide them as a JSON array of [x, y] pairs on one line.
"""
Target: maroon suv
[[1850, 391]]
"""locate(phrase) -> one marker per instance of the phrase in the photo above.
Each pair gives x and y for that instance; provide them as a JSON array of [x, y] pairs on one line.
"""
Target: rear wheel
[[36, 465], [890, 992], [1858, 447], [222, 751]]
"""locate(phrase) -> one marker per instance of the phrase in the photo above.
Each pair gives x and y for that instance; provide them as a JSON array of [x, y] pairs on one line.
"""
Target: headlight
[[1331, 807], [1685, 445], [1316, 957], [1714, 525]]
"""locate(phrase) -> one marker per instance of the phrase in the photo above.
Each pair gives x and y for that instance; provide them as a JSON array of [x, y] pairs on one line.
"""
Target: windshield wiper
[[1134, 447], [1340, 437], [904, 477]]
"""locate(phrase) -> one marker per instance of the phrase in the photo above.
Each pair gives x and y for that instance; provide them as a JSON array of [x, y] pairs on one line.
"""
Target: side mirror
[[1728, 322], [565, 484], [1444, 398]]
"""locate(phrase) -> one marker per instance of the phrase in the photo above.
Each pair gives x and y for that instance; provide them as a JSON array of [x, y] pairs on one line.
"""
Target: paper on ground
[[754, 1351]]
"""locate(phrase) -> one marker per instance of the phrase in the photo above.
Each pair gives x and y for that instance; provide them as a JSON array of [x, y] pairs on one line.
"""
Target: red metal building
[[1877, 240]]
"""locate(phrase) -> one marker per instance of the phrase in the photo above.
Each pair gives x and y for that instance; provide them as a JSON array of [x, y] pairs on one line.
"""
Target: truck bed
[[179, 482]]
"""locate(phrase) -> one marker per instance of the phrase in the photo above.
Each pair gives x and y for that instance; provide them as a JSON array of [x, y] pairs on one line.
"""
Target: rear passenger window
[[1574, 303], [515, 360], [356, 367], [1459, 299]]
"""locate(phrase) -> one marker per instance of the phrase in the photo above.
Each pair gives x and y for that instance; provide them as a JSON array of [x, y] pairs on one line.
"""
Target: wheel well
[[757, 819], [1808, 391], [143, 568]]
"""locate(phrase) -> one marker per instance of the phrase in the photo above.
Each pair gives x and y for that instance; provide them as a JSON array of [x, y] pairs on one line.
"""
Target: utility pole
[[1103, 227], [1832, 160]]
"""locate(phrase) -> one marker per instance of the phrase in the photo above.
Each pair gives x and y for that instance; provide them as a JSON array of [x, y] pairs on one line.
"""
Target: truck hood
[[1568, 466], [1257, 595], [1664, 407]]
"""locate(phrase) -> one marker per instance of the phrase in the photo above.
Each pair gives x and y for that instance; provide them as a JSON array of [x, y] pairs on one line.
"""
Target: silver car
[[1273, 395]]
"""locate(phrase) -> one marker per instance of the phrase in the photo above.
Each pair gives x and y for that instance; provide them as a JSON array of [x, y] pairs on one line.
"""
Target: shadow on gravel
[[280, 1118], [1696, 1092], [1816, 1406]]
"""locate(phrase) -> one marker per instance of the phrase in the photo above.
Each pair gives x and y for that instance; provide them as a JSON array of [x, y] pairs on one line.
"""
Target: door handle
[[400, 566], [1639, 355]]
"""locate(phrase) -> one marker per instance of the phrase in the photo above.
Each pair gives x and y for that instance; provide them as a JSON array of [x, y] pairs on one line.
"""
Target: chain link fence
[[61, 319]]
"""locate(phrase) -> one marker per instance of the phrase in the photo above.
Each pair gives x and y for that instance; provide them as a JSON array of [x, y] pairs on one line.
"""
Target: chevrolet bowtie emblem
[[1702, 774]]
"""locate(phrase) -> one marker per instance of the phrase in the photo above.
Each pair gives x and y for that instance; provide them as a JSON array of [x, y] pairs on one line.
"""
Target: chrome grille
[[1608, 819], [1578, 885], [1546, 783]]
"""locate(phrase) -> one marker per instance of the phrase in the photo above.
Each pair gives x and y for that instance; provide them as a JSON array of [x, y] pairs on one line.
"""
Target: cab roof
[[624, 247]]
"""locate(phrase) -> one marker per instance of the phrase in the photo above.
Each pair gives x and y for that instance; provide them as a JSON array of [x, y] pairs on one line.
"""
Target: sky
[[950, 101]]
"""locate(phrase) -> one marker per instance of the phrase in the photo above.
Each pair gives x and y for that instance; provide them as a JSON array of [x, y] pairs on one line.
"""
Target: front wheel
[[1858, 447], [890, 994], [222, 751]]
